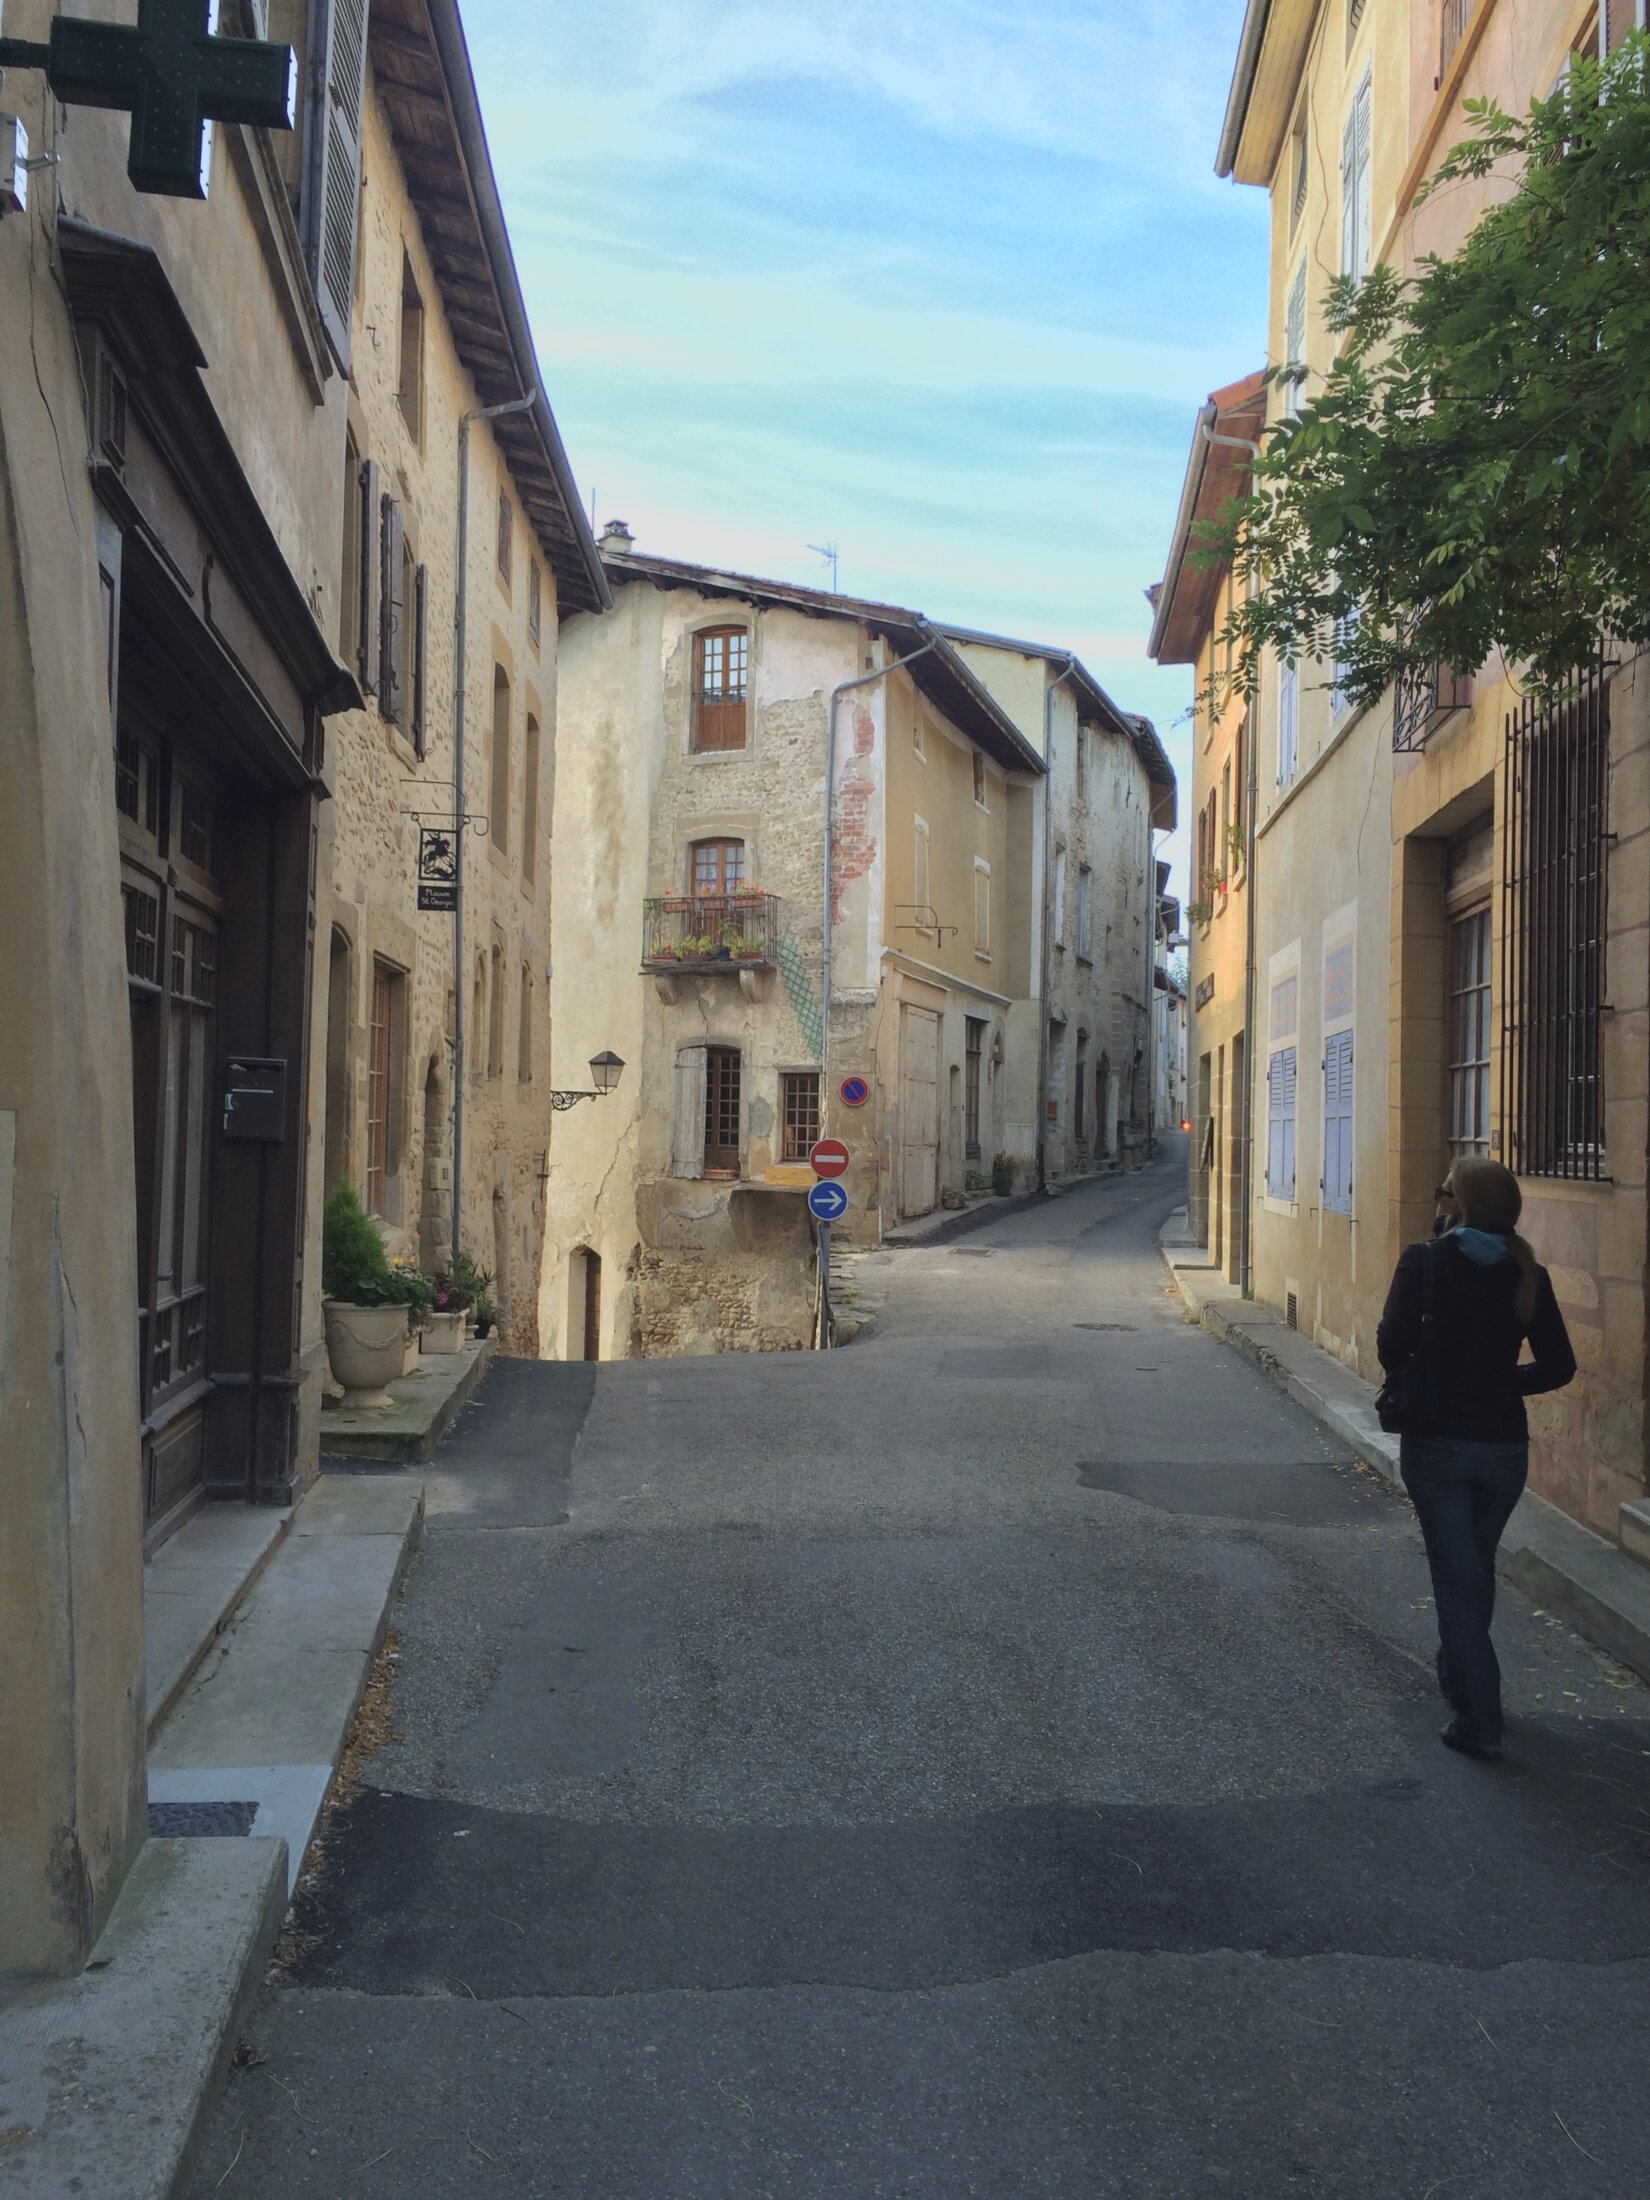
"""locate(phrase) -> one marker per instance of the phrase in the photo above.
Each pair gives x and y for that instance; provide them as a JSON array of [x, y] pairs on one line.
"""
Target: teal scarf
[[1485, 1247]]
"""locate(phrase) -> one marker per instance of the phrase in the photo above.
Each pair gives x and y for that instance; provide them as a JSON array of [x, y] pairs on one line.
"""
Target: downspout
[[460, 606], [822, 1339], [1045, 954], [1246, 1279]]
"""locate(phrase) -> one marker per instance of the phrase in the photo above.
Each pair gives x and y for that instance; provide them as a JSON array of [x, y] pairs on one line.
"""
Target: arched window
[[721, 673], [530, 800]]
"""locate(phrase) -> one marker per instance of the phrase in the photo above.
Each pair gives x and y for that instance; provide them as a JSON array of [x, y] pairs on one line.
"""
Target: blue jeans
[[1463, 1494]]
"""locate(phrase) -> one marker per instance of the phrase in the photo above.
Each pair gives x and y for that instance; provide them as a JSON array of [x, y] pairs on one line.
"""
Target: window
[[718, 867], [1294, 352], [410, 394], [974, 1052], [799, 1113], [420, 592], [498, 802], [1456, 15], [1355, 149], [1301, 150], [1280, 1124], [1354, 16], [1240, 794], [535, 603], [524, 1030], [1084, 878], [478, 1017], [919, 876], [918, 747], [530, 802], [979, 782], [1553, 945], [982, 908], [1082, 760], [1059, 898], [1224, 864], [381, 1046], [721, 670], [1469, 1034], [1346, 631], [1336, 1183], [1288, 722], [395, 623], [349, 567], [359, 637], [722, 1111], [506, 537], [330, 196], [495, 1016]]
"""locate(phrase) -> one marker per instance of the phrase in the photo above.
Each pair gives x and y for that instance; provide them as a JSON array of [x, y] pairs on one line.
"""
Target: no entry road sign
[[855, 1092], [829, 1157], [827, 1202]]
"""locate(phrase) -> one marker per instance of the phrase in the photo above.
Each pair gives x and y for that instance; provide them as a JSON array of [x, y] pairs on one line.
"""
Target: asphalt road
[[1000, 1758]]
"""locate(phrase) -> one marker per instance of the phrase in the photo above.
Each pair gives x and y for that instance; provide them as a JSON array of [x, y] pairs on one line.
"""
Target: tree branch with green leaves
[[1474, 474]]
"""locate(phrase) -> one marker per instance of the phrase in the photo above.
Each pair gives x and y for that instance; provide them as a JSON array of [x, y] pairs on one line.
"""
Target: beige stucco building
[[439, 332], [690, 825], [1191, 606], [1420, 990]]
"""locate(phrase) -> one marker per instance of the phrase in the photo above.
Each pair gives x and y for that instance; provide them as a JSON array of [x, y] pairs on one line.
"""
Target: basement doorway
[[584, 1305]]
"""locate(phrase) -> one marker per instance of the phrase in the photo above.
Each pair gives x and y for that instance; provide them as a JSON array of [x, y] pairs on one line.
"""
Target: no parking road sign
[[827, 1202], [829, 1157], [855, 1092]]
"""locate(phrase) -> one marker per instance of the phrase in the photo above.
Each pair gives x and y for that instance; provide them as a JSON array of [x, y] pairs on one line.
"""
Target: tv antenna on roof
[[826, 551]]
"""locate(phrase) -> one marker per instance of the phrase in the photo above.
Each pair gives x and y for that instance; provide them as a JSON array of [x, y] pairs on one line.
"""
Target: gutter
[[1250, 41], [447, 30]]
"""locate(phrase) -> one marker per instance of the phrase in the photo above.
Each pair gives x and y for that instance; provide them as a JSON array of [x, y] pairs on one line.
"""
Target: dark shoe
[[1453, 1738]]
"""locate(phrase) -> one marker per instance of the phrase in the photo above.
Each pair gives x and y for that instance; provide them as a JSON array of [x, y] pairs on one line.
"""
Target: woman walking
[[1458, 1312]]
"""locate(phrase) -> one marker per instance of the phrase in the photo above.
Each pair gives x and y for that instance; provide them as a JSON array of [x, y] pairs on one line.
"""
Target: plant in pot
[[470, 1284], [486, 1315], [746, 949], [1002, 1175], [444, 1325], [365, 1303], [666, 951]]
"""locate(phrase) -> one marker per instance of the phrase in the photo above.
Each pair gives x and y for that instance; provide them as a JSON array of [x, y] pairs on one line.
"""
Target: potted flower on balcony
[[747, 948], [666, 951], [365, 1303], [696, 947]]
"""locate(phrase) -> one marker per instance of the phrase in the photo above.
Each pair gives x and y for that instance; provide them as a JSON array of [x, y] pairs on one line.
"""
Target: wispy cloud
[[943, 284]]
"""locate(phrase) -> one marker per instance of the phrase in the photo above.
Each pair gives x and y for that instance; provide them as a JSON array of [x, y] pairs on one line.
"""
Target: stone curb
[[1577, 1574]]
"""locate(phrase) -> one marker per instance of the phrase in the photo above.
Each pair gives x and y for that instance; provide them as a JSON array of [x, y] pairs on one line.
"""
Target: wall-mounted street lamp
[[604, 1073]]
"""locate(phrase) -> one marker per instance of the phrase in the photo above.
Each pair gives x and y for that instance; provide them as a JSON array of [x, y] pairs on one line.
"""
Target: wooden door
[[592, 1306], [919, 1109]]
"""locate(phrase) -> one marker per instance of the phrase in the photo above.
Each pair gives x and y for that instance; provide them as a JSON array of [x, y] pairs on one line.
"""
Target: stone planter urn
[[444, 1332], [367, 1346]]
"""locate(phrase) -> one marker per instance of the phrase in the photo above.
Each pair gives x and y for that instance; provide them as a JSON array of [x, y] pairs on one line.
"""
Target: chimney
[[616, 540]]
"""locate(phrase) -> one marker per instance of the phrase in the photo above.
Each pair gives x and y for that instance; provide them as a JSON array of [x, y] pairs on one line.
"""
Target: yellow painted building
[[1421, 992]]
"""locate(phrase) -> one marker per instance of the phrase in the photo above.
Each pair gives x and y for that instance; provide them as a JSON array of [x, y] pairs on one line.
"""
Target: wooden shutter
[[1349, 193], [1280, 1124], [687, 1126], [1288, 722], [419, 689], [1337, 1124], [332, 185], [392, 632], [366, 642], [1362, 122], [1294, 339]]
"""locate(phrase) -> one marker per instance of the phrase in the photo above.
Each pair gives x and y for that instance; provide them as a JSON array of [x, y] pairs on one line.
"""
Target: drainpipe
[[1046, 956], [1246, 1277], [822, 1338], [460, 606]]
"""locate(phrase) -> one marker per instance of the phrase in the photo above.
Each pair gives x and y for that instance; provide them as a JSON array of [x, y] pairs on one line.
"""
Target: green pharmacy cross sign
[[173, 74]]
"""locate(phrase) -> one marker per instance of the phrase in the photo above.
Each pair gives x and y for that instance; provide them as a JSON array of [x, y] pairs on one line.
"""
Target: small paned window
[[799, 1101], [535, 603], [980, 781], [982, 908], [195, 827], [718, 867], [378, 1086], [974, 1053], [411, 390], [721, 671], [722, 1111]]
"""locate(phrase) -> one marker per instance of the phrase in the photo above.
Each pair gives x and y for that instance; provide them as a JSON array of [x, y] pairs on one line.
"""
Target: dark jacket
[[1476, 1386]]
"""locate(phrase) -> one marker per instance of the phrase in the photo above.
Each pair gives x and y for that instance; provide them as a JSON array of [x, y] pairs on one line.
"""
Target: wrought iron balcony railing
[[1422, 703], [738, 931]]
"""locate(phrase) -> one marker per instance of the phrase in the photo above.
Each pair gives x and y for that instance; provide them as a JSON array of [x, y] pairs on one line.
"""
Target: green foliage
[[353, 1264], [1473, 476]]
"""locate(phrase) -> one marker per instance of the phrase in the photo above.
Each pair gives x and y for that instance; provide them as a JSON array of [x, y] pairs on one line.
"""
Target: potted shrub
[[365, 1303], [1002, 1175], [666, 951], [747, 950], [486, 1315], [696, 948]]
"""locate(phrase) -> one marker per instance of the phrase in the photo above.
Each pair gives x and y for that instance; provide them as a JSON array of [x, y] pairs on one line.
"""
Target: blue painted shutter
[[1337, 1124], [1280, 1124]]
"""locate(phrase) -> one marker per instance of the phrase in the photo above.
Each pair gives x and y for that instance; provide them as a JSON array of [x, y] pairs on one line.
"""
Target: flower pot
[[444, 1332], [367, 1346]]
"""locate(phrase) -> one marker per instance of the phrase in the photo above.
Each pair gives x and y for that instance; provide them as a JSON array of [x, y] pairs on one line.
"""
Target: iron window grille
[[1553, 914], [1423, 701]]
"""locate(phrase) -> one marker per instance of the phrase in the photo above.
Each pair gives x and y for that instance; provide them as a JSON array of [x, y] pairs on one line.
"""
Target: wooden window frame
[[381, 1020], [800, 1115], [721, 878], [505, 547], [409, 394], [982, 878], [720, 725], [974, 1029], [535, 602], [724, 1103], [499, 762]]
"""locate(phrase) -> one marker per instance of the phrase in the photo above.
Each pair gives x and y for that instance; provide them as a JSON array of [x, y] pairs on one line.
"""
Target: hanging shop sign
[[437, 867]]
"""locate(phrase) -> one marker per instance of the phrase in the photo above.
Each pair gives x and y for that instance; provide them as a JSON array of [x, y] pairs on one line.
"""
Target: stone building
[[433, 1033], [690, 827], [1190, 608], [171, 414], [1421, 991], [1108, 787]]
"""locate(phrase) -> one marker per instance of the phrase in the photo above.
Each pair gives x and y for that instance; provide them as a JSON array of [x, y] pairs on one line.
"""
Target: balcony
[[705, 934], [1422, 703]]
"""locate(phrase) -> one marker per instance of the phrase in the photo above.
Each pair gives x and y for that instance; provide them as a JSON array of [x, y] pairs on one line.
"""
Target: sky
[[943, 285]]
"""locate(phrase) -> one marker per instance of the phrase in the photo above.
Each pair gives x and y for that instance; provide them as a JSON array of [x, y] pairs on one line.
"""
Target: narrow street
[[1000, 1758]]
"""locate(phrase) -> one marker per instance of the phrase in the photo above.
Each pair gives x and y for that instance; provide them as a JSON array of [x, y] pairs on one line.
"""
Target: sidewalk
[[1581, 1576]]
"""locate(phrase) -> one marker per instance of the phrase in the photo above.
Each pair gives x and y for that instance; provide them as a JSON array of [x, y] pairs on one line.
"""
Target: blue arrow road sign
[[827, 1202]]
